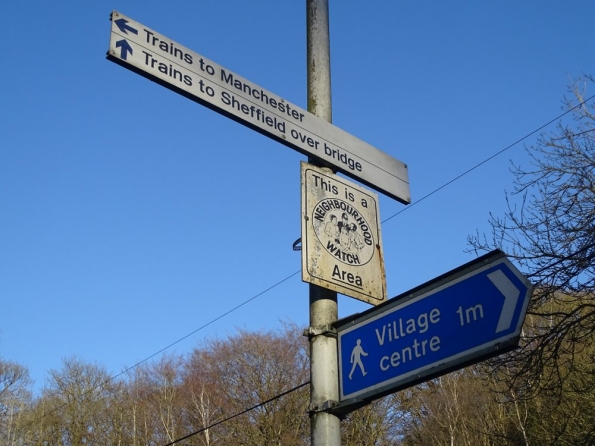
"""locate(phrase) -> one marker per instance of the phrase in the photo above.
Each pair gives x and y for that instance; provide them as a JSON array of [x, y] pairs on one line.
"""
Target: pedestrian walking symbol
[[356, 358]]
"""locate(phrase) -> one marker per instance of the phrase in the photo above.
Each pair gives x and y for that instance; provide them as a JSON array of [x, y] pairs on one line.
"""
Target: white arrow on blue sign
[[465, 316]]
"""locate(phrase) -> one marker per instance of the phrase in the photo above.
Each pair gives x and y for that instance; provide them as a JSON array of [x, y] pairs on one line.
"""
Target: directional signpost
[[468, 315], [150, 54]]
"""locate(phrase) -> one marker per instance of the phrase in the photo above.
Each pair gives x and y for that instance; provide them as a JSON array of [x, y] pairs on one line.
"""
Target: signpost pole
[[325, 428]]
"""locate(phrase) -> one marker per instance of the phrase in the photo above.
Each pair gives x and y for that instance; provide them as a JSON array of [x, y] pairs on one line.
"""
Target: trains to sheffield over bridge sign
[[152, 55]]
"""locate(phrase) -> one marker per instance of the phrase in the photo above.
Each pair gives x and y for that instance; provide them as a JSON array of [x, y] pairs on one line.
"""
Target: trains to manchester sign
[[156, 57]]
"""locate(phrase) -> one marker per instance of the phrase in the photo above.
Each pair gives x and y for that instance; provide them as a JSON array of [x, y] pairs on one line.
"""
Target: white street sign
[[150, 54], [341, 244]]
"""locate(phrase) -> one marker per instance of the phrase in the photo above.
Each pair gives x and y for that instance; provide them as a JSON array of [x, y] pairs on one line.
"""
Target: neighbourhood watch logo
[[343, 231]]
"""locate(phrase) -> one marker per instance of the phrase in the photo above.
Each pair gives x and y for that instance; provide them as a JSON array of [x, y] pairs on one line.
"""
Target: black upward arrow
[[125, 48]]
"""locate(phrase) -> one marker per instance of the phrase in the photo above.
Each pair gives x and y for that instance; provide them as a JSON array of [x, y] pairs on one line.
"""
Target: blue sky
[[132, 216]]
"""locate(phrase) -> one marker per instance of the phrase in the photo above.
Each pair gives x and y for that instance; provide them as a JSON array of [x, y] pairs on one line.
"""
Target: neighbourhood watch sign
[[341, 246], [343, 232]]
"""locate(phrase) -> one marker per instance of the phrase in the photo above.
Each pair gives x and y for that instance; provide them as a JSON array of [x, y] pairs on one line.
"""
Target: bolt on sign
[[341, 243]]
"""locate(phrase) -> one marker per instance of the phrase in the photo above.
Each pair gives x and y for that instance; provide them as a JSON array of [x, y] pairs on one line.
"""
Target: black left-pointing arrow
[[125, 48], [125, 27]]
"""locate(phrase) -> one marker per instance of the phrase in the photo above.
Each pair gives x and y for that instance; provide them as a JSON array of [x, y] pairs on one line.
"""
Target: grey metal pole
[[325, 428], [319, 59]]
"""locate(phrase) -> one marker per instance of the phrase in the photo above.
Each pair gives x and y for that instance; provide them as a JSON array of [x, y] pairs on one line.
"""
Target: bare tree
[[378, 424], [245, 370], [15, 398], [74, 408], [201, 408], [156, 401], [550, 232]]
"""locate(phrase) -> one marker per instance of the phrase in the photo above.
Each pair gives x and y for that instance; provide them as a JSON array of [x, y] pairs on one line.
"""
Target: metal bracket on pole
[[324, 330], [326, 406]]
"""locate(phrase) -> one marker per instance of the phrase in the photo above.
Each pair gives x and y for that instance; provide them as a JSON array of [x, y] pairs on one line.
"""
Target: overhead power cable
[[297, 272], [209, 323], [238, 414], [110, 379], [458, 177]]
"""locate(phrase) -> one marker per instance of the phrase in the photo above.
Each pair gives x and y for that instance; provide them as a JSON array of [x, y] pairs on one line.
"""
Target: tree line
[[543, 393], [159, 402]]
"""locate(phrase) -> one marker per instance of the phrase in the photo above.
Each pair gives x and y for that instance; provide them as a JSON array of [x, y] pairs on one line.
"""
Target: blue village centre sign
[[467, 315]]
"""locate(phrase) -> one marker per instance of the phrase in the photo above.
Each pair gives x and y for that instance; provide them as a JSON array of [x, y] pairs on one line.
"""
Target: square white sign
[[341, 242]]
